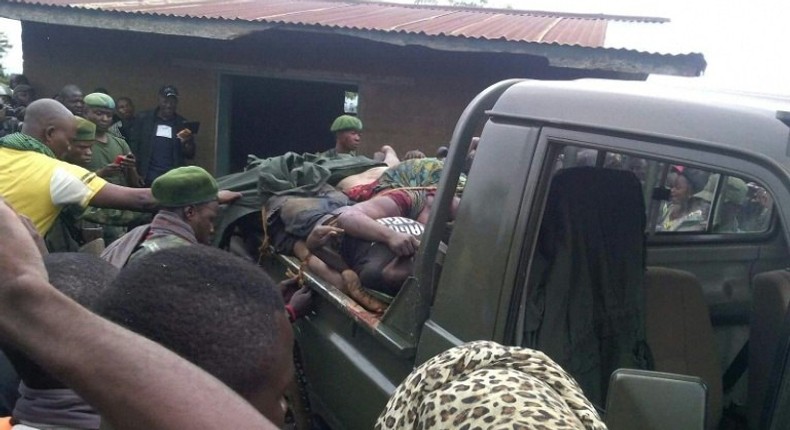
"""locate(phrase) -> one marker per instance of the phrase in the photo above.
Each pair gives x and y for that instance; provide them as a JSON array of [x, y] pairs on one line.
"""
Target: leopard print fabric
[[484, 385]]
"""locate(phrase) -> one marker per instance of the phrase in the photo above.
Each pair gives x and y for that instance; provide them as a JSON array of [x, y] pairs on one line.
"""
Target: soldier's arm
[[151, 387], [117, 197], [116, 217]]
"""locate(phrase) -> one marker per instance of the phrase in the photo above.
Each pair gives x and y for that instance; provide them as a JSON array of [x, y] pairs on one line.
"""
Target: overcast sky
[[743, 42]]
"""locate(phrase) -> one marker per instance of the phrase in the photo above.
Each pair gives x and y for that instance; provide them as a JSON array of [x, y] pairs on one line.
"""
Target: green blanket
[[288, 174]]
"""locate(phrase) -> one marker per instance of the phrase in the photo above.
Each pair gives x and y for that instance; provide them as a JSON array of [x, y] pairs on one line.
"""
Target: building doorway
[[269, 117]]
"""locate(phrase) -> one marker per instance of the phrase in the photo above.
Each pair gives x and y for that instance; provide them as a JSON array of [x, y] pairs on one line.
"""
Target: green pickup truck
[[607, 223]]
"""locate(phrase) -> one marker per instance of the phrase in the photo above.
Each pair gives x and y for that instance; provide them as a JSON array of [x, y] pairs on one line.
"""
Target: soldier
[[188, 196], [66, 233], [348, 134], [112, 160], [75, 226]]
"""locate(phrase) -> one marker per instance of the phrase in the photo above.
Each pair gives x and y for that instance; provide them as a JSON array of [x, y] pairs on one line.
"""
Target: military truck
[[551, 248]]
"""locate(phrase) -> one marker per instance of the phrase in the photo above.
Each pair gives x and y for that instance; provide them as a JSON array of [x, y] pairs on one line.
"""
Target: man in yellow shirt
[[37, 184]]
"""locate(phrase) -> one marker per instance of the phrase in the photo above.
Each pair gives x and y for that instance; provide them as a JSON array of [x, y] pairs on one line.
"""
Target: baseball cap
[[168, 91]]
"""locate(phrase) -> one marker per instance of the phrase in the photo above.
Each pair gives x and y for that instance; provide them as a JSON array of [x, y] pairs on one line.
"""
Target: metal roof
[[448, 28], [491, 24]]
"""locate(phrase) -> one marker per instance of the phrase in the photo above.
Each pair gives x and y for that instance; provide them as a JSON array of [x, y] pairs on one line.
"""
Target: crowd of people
[[158, 330]]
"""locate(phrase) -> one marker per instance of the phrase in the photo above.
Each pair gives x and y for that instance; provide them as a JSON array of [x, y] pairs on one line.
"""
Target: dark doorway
[[273, 116]]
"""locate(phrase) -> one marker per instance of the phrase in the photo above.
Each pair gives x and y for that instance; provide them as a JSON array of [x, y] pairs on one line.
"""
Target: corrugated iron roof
[[488, 24]]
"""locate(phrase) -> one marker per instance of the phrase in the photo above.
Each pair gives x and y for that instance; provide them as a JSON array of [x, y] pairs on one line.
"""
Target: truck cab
[[707, 204]]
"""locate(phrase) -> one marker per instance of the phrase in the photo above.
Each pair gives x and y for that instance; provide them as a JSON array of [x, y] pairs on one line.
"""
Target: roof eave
[[568, 56]]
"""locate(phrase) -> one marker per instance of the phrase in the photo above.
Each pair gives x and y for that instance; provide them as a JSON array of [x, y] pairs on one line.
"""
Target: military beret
[[184, 186], [99, 100], [346, 122], [86, 130], [735, 190]]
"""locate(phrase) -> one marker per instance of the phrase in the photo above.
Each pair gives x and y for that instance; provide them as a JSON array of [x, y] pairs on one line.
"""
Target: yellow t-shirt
[[38, 186]]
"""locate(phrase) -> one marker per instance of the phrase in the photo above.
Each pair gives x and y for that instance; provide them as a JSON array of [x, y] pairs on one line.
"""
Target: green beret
[[184, 186], [735, 190], [99, 100], [346, 122], [86, 130]]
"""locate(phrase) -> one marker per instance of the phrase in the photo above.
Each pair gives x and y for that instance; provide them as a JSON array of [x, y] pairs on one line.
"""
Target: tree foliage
[[5, 46]]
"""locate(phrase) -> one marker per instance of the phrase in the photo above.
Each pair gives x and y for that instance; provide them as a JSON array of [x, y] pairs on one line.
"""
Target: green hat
[[184, 186], [346, 122], [99, 100], [86, 130], [735, 190]]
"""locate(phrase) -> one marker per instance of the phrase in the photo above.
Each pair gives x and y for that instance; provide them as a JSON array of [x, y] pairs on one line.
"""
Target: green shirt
[[105, 153]]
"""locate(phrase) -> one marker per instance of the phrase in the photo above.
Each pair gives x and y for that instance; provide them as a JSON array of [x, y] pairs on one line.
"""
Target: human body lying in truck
[[368, 244]]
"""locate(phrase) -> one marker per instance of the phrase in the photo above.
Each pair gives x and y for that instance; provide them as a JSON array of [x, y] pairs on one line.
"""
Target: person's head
[[80, 276], [71, 97], [484, 385], [167, 102], [348, 133], [81, 149], [99, 109], [686, 183], [52, 124], [5, 95], [441, 153], [216, 310], [732, 199], [17, 79], [124, 108], [191, 192], [23, 94]]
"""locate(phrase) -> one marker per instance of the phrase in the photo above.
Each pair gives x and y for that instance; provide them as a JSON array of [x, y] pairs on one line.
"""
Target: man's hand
[[402, 244], [226, 196], [128, 161], [19, 256], [185, 135], [322, 235], [301, 301], [111, 169]]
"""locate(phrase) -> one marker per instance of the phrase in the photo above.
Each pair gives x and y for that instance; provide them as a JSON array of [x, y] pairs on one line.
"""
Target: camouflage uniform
[[157, 244]]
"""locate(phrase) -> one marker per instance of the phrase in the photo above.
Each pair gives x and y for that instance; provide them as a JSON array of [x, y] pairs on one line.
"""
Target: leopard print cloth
[[484, 385]]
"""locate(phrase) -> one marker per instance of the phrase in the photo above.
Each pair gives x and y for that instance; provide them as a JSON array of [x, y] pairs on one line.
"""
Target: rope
[[265, 250]]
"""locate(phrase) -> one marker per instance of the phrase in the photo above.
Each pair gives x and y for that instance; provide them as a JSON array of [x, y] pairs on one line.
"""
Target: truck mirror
[[647, 400]]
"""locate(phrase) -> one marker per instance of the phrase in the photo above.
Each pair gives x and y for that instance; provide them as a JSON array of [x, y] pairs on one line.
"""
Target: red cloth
[[360, 193]]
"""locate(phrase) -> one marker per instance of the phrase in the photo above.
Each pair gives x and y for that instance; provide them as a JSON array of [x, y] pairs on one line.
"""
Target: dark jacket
[[142, 136]]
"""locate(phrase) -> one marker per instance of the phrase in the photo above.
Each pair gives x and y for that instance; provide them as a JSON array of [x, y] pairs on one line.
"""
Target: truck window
[[683, 200]]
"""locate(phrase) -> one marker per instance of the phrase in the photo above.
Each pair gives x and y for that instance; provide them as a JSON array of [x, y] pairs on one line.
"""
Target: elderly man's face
[[167, 107], [73, 102]]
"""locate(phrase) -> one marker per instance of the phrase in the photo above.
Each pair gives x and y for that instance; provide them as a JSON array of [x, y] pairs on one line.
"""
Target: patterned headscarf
[[489, 386]]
